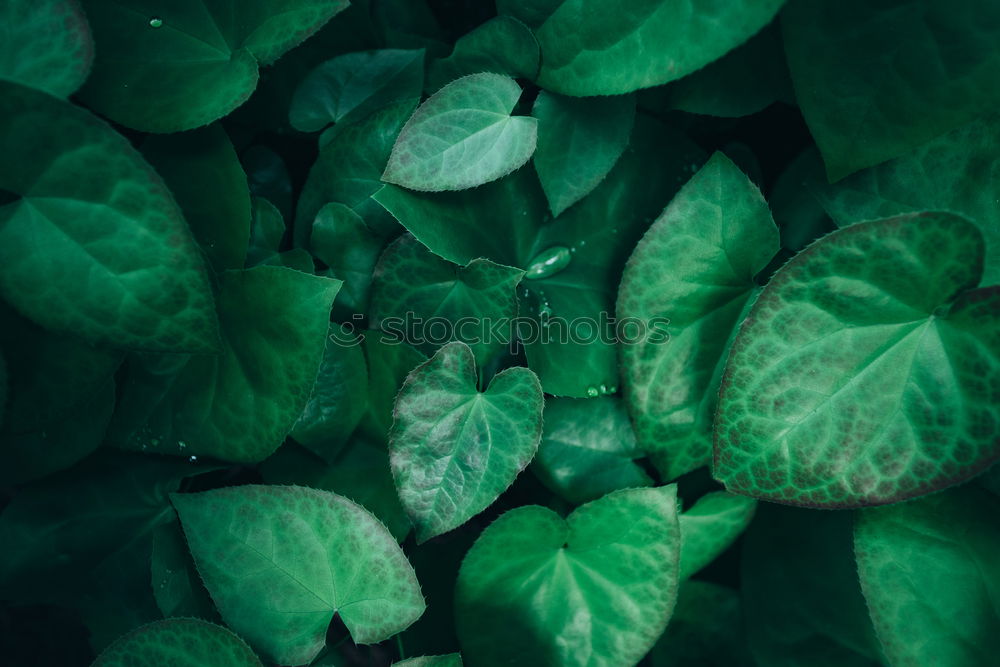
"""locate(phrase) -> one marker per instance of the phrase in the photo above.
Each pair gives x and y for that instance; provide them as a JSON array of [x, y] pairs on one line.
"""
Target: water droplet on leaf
[[592, 391], [548, 262], [155, 22]]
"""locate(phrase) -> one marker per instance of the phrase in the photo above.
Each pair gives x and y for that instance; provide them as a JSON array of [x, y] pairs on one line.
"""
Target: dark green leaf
[[180, 642], [176, 587], [710, 526], [92, 217], [502, 45], [389, 362], [267, 229], [454, 449], [861, 375], [341, 240], [281, 561], [596, 588], [46, 45], [795, 202], [706, 629]]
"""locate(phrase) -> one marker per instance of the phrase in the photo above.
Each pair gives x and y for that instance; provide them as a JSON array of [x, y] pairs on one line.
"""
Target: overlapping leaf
[[46, 45], [178, 641]]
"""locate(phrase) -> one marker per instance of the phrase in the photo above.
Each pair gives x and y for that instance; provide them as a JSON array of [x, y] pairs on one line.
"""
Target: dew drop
[[181, 444], [548, 262], [192, 459], [155, 22], [592, 391], [603, 389]]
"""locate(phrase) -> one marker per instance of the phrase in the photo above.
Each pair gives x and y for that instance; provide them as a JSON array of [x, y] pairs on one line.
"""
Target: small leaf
[[596, 588], [281, 561], [463, 136], [93, 218], [928, 572], [862, 382], [710, 526], [46, 45], [579, 141], [267, 229], [588, 449], [410, 279], [454, 449], [502, 45], [178, 641], [597, 47], [352, 86], [686, 286], [347, 245], [176, 586]]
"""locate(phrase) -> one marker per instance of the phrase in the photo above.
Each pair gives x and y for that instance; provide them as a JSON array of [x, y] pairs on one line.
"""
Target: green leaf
[[349, 170], [875, 80], [530, 12], [268, 177], [62, 393], [352, 86], [685, 287], [857, 382], [180, 66], [239, 405], [801, 600], [454, 449], [267, 230], [502, 45], [463, 136], [410, 279], [951, 173], [389, 362], [205, 176], [281, 561], [795, 203], [599, 47], [93, 218], [596, 588], [360, 472], [450, 660], [347, 245], [178, 641], [710, 526], [46, 45], [579, 141], [928, 572], [339, 397], [588, 449], [176, 587], [706, 628]]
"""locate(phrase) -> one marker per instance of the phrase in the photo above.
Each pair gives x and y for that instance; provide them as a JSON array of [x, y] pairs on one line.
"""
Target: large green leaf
[[280, 561], [862, 374], [929, 574], [579, 141], [686, 286], [455, 449], [202, 171], [588, 449], [343, 241], [360, 472], [181, 642], [352, 86], [463, 136], [596, 588], [959, 172], [466, 300], [92, 218], [349, 170], [876, 79], [62, 393], [573, 262], [710, 526], [339, 398], [801, 600], [165, 68], [46, 45], [602, 47], [502, 45], [239, 405], [706, 628]]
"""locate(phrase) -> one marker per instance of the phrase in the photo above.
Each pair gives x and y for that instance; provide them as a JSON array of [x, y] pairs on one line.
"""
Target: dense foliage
[[536, 332]]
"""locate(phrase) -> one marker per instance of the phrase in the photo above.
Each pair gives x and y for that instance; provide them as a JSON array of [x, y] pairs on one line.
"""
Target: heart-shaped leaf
[[46, 45], [352, 86], [865, 381], [463, 136], [454, 449], [502, 45], [937, 553], [597, 47], [280, 561], [596, 588], [686, 286], [178, 641], [588, 449], [409, 279], [177, 66], [710, 526], [579, 141], [92, 217]]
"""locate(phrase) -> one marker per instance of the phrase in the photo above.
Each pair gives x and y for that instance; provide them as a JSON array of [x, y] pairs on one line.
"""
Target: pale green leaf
[[46, 45], [710, 526], [180, 642]]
